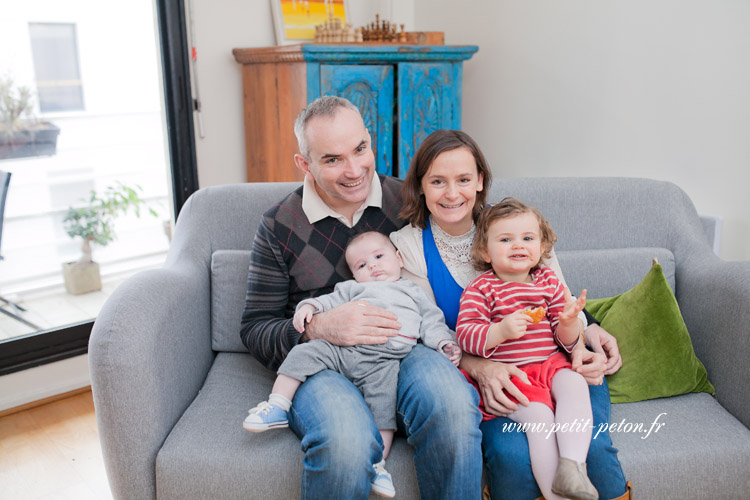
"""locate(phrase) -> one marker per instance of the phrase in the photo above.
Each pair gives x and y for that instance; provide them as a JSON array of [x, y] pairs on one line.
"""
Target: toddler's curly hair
[[508, 207]]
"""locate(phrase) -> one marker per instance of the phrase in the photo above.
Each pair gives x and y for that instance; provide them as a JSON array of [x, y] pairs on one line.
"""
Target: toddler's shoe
[[383, 483], [572, 481], [265, 416]]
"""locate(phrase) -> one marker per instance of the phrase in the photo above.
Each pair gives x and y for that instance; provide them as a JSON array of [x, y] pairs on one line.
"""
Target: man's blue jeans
[[437, 409], [509, 466]]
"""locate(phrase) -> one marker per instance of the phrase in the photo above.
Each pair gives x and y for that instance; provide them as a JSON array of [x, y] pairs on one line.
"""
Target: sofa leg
[[628, 495]]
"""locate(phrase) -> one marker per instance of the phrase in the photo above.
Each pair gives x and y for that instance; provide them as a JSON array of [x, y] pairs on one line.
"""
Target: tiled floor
[[55, 310]]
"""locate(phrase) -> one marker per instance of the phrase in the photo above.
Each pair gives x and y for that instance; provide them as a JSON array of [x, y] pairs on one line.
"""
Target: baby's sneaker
[[383, 483], [266, 416]]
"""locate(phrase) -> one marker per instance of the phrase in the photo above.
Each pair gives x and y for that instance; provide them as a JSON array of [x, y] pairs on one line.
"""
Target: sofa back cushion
[[604, 273], [228, 287]]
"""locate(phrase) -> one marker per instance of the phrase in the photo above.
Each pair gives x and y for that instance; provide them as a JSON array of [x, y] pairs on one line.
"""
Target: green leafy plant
[[94, 222], [15, 104]]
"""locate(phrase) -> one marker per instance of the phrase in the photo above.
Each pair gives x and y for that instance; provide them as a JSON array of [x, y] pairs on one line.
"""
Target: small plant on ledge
[[21, 133], [94, 223]]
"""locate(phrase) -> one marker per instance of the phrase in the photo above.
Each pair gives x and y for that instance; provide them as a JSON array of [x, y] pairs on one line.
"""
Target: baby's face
[[373, 258]]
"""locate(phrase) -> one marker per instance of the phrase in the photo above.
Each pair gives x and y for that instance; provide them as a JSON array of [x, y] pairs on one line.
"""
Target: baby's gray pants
[[373, 369]]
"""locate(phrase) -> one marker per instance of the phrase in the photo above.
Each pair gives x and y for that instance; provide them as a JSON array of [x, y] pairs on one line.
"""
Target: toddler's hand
[[572, 307], [513, 326], [303, 316], [452, 352]]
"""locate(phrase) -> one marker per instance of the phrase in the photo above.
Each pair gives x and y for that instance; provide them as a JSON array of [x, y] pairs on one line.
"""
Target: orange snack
[[536, 314]]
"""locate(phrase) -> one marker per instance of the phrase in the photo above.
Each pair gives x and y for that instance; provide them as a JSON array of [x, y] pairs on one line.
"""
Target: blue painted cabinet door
[[429, 98], [370, 88]]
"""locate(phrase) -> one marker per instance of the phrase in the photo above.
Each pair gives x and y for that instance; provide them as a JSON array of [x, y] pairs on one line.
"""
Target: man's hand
[[605, 343], [353, 323], [492, 377], [589, 364]]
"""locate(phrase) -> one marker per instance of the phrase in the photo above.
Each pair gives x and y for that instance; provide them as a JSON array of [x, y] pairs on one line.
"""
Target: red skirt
[[540, 382]]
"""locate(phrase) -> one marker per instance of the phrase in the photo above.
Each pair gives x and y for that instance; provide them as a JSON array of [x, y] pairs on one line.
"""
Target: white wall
[[616, 88], [44, 381], [574, 88]]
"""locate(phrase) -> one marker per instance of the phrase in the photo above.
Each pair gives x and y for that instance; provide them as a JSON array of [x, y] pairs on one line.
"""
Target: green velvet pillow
[[657, 356]]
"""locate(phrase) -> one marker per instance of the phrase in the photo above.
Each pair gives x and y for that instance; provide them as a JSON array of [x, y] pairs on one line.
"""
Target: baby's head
[[372, 257], [510, 236]]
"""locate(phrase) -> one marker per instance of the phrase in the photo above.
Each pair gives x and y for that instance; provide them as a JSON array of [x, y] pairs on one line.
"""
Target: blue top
[[447, 291]]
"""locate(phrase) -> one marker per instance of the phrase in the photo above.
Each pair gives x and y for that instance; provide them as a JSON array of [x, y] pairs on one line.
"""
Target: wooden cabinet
[[404, 92]]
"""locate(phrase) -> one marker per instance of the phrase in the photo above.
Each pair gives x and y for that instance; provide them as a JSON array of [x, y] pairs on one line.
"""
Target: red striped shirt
[[488, 300]]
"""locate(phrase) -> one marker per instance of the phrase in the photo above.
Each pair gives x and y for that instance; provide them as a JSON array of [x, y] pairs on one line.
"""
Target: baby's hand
[[303, 316], [452, 352]]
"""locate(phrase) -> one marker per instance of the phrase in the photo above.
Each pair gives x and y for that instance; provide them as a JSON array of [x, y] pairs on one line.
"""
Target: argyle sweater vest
[[293, 260]]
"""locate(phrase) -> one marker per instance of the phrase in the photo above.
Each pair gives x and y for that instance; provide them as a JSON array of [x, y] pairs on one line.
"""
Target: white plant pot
[[81, 278]]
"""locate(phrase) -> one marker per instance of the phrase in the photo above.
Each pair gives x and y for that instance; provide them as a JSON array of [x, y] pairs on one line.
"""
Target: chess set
[[379, 31]]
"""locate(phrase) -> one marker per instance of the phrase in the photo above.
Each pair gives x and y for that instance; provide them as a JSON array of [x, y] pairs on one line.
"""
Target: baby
[[376, 266]]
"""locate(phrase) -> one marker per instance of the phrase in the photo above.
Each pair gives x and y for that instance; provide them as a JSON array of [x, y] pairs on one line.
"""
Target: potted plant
[[21, 133], [94, 223]]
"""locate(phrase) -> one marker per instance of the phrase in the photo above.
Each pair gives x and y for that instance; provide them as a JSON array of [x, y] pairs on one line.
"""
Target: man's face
[[341, 159]]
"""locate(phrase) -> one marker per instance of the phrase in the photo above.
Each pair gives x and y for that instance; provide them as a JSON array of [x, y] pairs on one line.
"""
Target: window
[[174, 107], [58, 78]]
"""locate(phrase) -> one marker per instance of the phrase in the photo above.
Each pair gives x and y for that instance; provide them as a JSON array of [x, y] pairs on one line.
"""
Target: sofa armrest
[[714, 297], [149, 353]]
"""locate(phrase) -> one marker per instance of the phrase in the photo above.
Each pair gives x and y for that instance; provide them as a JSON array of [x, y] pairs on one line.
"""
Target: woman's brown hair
[[509, 207], [414, 208]]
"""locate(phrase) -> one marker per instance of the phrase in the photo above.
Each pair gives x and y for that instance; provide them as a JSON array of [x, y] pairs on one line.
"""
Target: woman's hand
[[589, 364], [603, 342], [353, 323], [492, 377]]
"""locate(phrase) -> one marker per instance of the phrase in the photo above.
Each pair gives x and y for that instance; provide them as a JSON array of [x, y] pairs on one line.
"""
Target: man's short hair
[[322, 106]]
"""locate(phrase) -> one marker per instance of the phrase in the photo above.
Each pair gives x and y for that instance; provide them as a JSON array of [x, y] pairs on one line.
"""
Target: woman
[[443, 194]]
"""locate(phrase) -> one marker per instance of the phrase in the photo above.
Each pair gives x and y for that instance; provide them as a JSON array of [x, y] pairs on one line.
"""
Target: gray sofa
[[172, 381]]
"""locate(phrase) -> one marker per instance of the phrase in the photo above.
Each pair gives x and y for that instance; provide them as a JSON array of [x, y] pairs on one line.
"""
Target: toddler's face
[[514, 246], [373, 258]]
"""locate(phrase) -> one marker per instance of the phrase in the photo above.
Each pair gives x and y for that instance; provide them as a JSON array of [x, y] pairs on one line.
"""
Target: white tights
[[573, 407]]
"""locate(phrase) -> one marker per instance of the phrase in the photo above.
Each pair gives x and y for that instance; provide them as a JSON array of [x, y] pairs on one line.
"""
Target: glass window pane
[[66, 152]]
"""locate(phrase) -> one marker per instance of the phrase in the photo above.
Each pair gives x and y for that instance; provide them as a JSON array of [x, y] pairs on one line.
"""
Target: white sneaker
[[383, 483]]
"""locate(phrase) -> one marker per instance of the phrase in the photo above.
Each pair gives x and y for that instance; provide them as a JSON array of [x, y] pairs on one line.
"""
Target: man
[[297, 254]]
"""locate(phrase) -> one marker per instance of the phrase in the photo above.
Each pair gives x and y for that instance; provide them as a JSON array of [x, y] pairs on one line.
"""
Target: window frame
[[39, 348]]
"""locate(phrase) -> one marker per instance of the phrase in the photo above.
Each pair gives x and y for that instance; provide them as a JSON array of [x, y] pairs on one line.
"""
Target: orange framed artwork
[[295, 20]]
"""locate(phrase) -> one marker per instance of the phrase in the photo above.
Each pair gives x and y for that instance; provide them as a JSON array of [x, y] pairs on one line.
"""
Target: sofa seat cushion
[[209, 455], [701, 451]]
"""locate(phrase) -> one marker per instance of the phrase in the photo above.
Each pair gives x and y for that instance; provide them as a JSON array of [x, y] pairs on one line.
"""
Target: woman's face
[[450, 189]]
